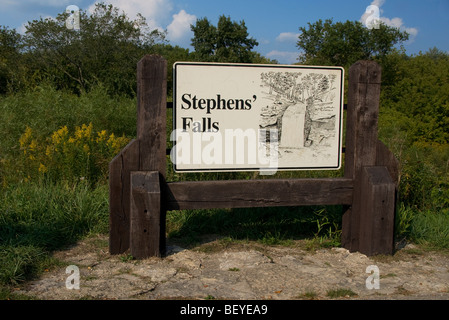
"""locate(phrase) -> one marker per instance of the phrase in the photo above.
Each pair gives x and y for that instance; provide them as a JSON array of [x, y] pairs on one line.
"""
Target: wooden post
[[151, 128], [152, 113], [361, 139], [377, 191], [146, 153], [145, 226]]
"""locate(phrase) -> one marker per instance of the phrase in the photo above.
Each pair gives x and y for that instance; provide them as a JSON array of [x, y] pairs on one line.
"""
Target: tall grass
[[37, 218], [46, 110], [431, 228]]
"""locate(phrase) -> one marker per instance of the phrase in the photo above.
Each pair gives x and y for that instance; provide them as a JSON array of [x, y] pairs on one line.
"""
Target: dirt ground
[[244, 271]]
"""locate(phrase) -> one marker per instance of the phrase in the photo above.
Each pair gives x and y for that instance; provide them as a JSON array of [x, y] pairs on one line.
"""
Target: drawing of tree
[[283, 83]]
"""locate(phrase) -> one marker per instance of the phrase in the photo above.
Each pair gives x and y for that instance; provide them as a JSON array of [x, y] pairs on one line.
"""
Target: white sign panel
[[246, 117]]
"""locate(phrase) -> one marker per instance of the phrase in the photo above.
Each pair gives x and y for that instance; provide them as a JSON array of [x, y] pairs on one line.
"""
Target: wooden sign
[[140, 195], [246, 117]]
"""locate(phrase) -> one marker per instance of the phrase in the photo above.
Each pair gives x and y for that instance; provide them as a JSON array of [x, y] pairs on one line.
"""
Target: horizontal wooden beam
[[257, 193]]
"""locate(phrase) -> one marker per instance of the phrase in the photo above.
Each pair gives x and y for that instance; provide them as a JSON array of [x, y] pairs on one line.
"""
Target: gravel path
[[249, 271]]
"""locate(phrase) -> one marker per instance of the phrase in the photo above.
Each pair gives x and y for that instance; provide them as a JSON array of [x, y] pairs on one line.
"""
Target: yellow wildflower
[[42, 168], [88, 130], [33, 145], [78, 133], [25, 137], [59, 135], [101, 136]]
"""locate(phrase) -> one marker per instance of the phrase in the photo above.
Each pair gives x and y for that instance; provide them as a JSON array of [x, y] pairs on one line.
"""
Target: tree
[[420, 93], [343, 43], [229, 41], [104, 50], [10, 59]]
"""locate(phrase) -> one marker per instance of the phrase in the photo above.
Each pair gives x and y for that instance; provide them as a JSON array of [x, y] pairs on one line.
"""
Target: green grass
[[340, 293], [431, 229], [38, 218], [269, 226]]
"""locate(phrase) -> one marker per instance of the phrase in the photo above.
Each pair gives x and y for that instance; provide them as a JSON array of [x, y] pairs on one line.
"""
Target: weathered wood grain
[[378, 206], [152, 113], [257, 193], [119, 207], [145, 217], [361, 138]]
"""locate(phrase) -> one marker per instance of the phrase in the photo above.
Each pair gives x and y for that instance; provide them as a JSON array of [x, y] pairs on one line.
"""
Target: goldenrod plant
[[81, 155]]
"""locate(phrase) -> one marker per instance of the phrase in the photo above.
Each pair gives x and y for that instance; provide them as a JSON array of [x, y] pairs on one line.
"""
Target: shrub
[[82, 155]]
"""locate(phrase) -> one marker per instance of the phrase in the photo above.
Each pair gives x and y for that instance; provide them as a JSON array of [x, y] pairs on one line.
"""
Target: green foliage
[[413, 123], [431, 228], [403, 221], [229, 41], [343, 43], [13, 71], [105, 50], [419, 90], [46, 110], [83, 155]]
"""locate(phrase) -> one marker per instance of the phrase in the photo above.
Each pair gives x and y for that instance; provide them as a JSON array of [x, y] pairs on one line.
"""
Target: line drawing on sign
[[302, 104], [301, 107]]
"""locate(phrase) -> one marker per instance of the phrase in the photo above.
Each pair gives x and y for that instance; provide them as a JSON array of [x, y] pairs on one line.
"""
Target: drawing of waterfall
[[301, 106]]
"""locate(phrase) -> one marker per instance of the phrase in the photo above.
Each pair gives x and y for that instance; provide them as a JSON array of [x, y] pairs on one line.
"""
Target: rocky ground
[[219, 269]]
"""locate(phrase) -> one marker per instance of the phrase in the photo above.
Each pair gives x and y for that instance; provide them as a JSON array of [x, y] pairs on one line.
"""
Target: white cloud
[[287, 37], [394, 22], [180, 26], [158, 14], [284, 57], [155, 11], [398, 23]]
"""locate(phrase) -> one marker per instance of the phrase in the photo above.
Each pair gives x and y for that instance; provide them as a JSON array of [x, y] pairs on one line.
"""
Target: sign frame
[[289, 74]]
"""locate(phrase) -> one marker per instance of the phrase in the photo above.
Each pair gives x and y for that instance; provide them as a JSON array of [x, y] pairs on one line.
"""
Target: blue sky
[[274, 24]]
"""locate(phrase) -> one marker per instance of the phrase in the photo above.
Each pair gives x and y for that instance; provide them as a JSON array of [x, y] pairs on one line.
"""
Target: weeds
[[340, 293], [83, 155]]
